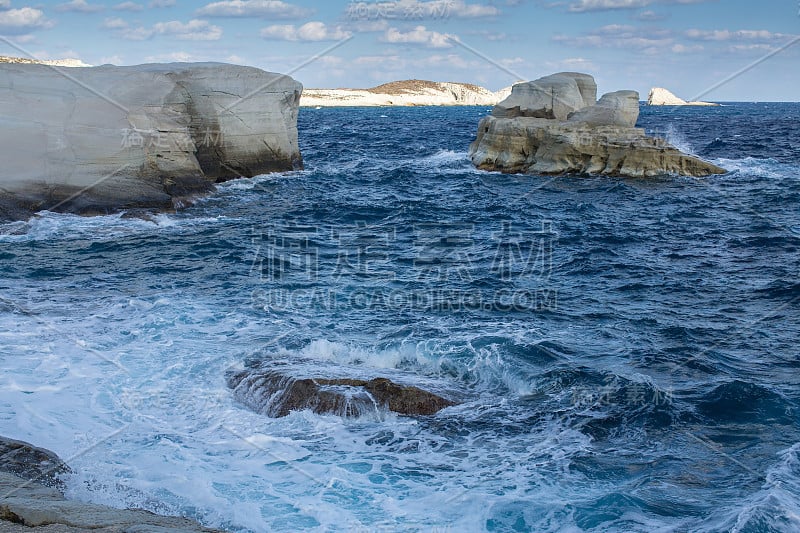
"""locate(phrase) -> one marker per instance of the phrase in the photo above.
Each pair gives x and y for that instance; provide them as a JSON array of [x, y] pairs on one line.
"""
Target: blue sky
[[687, 46]]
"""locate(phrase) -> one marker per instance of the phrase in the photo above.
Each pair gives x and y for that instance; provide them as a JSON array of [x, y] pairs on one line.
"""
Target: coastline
[[32, 499]]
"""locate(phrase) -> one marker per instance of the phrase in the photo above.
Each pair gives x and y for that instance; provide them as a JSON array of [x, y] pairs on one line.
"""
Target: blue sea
[[624, 352]]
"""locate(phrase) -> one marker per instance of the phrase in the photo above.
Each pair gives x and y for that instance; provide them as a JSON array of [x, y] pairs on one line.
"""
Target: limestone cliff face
[[661, 96], [405, 93], [93, 140], [544, 128]]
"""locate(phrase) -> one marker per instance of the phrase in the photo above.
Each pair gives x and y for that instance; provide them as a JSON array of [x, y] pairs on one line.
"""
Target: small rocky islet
[[555, 126]]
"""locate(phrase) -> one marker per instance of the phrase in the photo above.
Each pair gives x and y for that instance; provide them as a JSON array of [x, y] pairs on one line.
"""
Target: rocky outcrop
[[28, 505], [554, 97], [93, 140], [661, 96], [274, 391], [528, 133], [404, 93], [619, 109], [31, 463]]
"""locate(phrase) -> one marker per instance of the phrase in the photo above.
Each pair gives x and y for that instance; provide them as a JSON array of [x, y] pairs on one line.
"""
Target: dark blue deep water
[[624, 352]]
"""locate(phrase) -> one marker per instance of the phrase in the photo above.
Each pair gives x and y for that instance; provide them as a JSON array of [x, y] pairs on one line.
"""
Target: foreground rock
[[404, 93], [273, 391], [661, 96], [27, 505], [94, 140], [31, 463], [540, 129]]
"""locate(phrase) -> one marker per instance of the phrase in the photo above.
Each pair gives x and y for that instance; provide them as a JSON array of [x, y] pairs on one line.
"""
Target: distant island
[[661, 96], [51, 62], [405, 93]]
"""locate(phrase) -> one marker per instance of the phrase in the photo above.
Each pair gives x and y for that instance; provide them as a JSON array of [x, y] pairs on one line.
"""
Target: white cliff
[[93, 140], [405, 93], [67, 62], [661, 96]]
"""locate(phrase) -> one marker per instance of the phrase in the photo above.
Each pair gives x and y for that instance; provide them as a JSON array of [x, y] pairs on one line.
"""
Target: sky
[[720, 50]]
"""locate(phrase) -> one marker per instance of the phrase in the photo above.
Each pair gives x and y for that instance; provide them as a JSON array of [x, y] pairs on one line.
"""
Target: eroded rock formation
[[93, 140], [553, 126]]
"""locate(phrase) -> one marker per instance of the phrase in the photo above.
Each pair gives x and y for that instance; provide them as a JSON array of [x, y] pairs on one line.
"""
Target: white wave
[[677, 139], [49, 226], [762, 168]]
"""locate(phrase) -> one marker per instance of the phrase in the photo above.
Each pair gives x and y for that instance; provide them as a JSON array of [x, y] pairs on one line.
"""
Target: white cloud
[[583, 6], [647, 40], [740, 35], [114, 23], [649, 16], [136, 34], [579, 64], [5, 4], [194, 30], [419, 35], [417, 10], [79, 6], [128, 6], [761, 48], [22, 20], [181, 57], [311, 31], [683, 49], [253, 8]]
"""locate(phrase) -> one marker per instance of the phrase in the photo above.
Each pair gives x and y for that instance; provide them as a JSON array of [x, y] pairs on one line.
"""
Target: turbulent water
[[624, 352]]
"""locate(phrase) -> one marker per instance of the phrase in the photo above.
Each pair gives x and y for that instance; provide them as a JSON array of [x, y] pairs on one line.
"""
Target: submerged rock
[[94, 140], [526, 134], [275, 392]]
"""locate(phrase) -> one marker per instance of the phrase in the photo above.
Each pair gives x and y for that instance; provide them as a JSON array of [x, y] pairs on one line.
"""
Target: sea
[[623, 353]]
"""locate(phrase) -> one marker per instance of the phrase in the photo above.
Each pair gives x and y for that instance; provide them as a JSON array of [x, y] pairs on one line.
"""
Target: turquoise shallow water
[[624, 351]]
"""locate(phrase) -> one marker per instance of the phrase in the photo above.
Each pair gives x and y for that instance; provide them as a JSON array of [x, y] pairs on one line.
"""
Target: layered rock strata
[[553, 126]]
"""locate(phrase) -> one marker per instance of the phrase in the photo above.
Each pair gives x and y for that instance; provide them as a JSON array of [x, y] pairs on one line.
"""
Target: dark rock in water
[[275, 393], [31, 463]]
